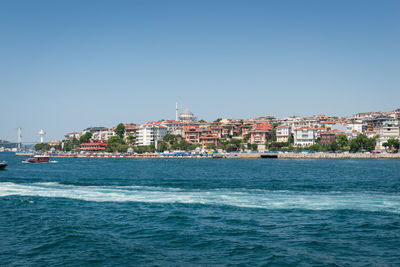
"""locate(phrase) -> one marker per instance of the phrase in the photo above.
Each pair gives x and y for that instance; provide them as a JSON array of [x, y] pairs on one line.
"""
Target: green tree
[[162, 146], [334, 146], [273, 132], [68, 146], [342, 142], [362, 143], [202, 121], [315, 147], [211, 146], [75, 142], [122, 148], [113, 144], [184, 145], [120, 130], [248, 146], [392, 145], [371, 144], [43, 147], [130, 139], [85, 138], [254, 147], [291, 139]]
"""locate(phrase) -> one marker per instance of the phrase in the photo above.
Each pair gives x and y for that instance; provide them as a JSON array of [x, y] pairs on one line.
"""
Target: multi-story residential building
[[208, 139], [150, 133], [305, 136], [327, 137], [192, 133], [130, 129], [173, 127], [388, 129], [72, 135], [103, 135], [283, 133], [354, 126], [260, 134]]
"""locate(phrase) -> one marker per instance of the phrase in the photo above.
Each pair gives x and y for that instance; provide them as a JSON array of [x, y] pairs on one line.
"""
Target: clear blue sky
[[66, 65]]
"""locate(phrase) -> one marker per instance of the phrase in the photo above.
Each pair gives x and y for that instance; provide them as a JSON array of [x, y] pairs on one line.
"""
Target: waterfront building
[[93, 146], [192, 133], [208, 139], [150, 133], [388, 129], [260, 134], [305, 136], [283, 133]]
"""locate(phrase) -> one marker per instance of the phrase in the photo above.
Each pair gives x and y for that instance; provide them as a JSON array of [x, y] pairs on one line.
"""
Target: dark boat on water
[[3, 165], [38, 159]]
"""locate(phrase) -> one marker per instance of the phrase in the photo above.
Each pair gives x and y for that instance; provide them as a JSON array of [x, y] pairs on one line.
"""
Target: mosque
[[186, 116]]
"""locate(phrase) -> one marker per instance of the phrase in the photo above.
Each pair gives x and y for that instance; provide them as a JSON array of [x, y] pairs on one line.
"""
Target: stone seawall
[[338, 156], [245, 156]]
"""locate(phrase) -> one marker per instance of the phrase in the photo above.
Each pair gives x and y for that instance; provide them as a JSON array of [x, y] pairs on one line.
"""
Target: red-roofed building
[[208, 139], [93, 146], [327, 137], [260, 134], [192, 133]]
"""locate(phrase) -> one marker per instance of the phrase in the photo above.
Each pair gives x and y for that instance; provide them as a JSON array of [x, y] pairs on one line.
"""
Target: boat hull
[[38, 160], [3, 165]]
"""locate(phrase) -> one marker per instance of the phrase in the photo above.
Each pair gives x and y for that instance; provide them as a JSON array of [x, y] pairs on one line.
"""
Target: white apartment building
[[388, 129], [305, 136], [283, 133], [150, 133], [172, 126], [354, 126], [103, 135]]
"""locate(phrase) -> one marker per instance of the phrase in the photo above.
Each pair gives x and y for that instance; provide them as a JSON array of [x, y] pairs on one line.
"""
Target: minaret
[[42, 133], [176, 112], [19, 139]]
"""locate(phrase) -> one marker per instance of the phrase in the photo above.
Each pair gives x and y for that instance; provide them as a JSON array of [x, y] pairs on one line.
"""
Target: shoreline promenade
[[289, 155]]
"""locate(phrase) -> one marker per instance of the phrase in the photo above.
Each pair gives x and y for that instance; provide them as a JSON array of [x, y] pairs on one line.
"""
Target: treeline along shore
[[290, 155]]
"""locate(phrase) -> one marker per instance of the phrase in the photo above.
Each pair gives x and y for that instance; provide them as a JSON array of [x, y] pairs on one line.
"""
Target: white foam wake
[[247, 198]]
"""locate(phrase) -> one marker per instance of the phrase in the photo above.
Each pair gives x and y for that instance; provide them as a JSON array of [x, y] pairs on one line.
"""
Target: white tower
[[19, 138], [42, 133], [176, 112]]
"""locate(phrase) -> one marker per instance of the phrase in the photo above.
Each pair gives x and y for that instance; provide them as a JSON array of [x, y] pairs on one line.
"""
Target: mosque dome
[[187, 116]]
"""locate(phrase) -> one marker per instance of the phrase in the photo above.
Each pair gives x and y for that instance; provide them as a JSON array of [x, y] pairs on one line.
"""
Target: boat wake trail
[[264, 199]]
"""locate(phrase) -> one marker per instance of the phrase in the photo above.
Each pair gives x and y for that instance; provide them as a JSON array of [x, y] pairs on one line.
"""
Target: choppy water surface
[[184, 212]]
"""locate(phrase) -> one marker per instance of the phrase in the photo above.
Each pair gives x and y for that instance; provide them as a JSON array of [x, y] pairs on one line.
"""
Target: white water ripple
[[365, 201]]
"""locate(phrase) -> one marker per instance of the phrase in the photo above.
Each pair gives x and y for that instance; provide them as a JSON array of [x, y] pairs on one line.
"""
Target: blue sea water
[[196, 212]]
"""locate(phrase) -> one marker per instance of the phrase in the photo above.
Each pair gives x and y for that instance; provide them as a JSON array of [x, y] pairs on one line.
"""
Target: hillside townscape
[[371, 131]]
